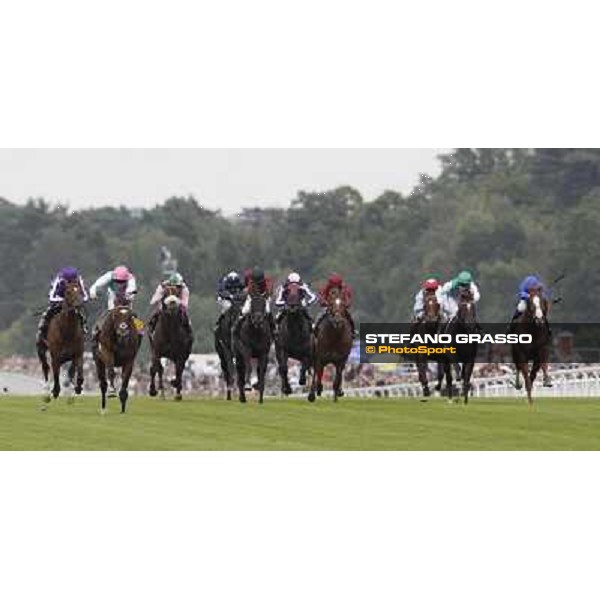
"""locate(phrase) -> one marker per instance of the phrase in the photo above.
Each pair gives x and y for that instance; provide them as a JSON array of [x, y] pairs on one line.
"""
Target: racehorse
[[294, 337], [170, 339], [223, 341], [332, 343], [533, 321], [117, 345], [430, 324], [252, 338], [465, 322], [65, 341]]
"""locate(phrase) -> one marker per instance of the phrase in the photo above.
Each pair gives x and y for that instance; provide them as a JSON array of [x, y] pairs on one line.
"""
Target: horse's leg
[[467, 371], [282, 358], [440, 376], [448, 365], [523, 369], [79, 369], [101, 373], [422, 370], [303, 369], [123, 393], [179, 366], [56, 375], [153, 370], [160, 370], [338, 392], [240, 365], [112, 392], [316, 380], [262, 371]]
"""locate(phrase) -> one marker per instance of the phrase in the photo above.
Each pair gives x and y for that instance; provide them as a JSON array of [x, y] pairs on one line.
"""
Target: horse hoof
[[286, 391], [426, 392], [302, 381], [341, 394], [173, 382], [311, 397], [152, 392], [112, 393], [178, 398], [243, 400], [102, 411]]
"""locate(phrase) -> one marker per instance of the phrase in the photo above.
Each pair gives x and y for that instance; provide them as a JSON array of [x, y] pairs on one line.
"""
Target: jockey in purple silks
[[55, 298]]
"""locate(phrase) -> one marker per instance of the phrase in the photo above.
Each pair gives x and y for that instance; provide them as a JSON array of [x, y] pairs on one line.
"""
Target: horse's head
[[171, 299], [293, 298], [122, 322], [258, 310], [467, 314], [431, 308], [537, 307], [73, 298], [336, 306]]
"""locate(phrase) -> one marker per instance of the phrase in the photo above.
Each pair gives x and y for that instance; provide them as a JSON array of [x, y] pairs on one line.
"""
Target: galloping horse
[[430, 324], [170, 339], [65, 340], [294, 337], [252, 338], [533, 321], [332, 343], [223, 341], [117, 345], [465, 322]]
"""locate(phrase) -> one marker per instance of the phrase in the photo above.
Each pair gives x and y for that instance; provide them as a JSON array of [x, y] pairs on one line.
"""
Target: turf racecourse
[[351, 424]]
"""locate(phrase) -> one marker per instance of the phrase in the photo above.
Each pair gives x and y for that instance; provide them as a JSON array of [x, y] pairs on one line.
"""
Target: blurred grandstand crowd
[[202, 375]]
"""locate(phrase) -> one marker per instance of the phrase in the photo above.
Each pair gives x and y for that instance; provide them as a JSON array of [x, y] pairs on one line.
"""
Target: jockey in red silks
[[335, 281]]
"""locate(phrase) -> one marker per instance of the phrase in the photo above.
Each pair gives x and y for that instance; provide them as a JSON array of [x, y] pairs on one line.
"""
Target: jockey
[[257, 283], [55, 298], [530, 284], [307, 296], [335, 281], [229, 287], [451, 289], [430, 286], [120, 283], [183, 293]]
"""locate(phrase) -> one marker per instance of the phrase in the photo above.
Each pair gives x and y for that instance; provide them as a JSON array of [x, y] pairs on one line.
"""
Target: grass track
[[352, 424]]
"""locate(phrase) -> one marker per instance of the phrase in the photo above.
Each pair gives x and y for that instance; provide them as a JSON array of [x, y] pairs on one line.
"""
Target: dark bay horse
[[332, 343], [65, 341], [465, 322], [170, 339], [223, 341], [252, 338], [533, 321], [430, 323], [117, 345], [294, 338]]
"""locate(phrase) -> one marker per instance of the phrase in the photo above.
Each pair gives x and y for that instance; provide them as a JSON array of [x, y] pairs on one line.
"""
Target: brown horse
[[117, 345], [430, 323], [332, 343], [252, 338], [170, 339], [533, 321], [294, 338], [65, 341]]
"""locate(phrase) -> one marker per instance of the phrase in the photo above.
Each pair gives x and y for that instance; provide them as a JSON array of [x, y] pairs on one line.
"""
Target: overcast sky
[[218, 178]]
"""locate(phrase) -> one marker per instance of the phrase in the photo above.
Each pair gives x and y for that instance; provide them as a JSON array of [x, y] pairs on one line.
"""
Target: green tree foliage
[[503, 213]]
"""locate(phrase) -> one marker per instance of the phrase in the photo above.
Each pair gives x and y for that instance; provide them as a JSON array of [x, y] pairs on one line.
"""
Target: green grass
[[351, 424]]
